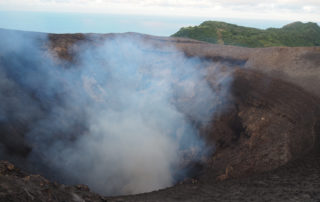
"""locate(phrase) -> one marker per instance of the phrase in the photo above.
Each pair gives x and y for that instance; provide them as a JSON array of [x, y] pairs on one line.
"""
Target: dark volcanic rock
[[271, 123], [16, 185]]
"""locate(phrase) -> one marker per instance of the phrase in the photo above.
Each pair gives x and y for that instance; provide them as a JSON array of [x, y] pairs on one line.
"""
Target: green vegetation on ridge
[[294, 34]]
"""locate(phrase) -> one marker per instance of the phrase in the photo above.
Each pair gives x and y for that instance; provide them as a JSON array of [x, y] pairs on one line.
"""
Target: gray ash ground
[[296, 181]]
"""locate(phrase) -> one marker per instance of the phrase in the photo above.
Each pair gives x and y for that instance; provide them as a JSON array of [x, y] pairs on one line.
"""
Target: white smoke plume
[[120, 120]]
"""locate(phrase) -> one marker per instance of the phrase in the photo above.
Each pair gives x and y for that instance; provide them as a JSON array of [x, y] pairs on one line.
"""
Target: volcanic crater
[[263, 136]]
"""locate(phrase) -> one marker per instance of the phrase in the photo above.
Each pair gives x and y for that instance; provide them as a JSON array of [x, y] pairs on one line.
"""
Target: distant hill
[[294, 34]]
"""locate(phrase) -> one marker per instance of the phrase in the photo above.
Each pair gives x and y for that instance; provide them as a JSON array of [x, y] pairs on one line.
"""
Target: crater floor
[[297, 181]]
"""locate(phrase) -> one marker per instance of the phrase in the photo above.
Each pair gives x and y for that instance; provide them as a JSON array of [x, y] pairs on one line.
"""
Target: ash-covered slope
[[263, 107]]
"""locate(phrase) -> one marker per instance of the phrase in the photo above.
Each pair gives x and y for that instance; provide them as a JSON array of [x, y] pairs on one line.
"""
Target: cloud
[[273, 9]]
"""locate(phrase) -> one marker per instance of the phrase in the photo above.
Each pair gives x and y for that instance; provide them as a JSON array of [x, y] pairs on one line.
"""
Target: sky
[[159, 17]]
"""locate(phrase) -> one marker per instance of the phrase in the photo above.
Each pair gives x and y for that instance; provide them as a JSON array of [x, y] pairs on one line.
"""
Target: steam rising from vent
[[120, 120]]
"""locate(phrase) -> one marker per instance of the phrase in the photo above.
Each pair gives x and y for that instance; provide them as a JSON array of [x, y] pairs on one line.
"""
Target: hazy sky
[[304, 10], [157, 17]]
